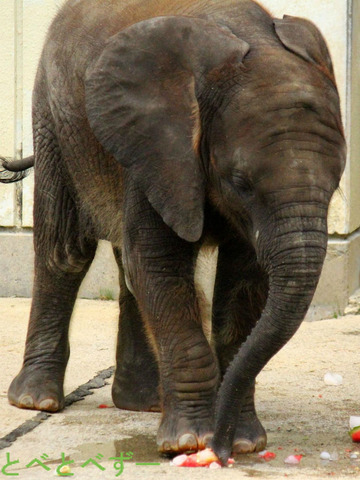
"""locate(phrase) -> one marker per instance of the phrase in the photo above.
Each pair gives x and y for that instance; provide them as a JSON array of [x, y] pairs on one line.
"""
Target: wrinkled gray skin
[[195, 123]]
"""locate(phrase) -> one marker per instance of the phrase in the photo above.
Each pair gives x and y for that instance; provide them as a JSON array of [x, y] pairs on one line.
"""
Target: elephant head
[[252, 124]]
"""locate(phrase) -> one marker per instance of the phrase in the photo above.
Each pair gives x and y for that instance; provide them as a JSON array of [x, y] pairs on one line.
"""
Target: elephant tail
[[15, 170]]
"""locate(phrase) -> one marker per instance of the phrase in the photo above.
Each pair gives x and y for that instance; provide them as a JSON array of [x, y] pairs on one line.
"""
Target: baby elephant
[[163, 126]]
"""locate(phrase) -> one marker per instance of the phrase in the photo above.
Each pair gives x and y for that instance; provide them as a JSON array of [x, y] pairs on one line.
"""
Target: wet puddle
[[143, 448]]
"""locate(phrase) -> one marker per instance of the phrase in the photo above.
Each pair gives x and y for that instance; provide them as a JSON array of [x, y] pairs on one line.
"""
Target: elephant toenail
[[166, 447], [261, 443], [188, 442], [243, 446], [26, 401], [48, 404], [207, 439]]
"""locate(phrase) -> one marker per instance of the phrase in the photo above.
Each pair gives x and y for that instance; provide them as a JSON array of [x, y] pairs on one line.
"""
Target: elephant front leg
[[189, 382], [239, 297], [188, 371], [136, 379], [160, 267]]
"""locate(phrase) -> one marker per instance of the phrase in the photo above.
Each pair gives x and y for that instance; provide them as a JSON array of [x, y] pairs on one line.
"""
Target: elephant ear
[[303, 38], [141, 101]]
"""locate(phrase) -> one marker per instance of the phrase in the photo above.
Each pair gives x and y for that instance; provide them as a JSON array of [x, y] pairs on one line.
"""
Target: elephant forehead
[[271, 70], [269, 100]]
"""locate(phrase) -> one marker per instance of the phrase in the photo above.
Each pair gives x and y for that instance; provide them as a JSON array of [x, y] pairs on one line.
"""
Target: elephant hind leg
[[239, 297], [136, 382], [64, 249]]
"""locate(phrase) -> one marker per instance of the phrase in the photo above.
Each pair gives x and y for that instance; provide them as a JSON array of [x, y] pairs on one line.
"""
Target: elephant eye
[[242, 183]]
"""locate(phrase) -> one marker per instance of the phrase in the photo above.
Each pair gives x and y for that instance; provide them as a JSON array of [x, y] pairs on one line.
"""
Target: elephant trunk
[[293, 258]]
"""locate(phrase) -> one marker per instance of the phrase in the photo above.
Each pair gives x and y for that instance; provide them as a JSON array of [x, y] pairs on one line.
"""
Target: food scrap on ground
[[354, 428], [333, 379], [329, 456], [266, 455], [325, 456], [355, 434], [204, 458], [293, 459], [64, 471]]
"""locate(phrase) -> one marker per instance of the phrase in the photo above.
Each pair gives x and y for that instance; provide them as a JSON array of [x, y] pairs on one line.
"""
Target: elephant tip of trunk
[[222, 451]]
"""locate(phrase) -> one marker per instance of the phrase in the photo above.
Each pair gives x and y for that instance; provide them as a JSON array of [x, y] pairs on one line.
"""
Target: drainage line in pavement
[[78, 394]]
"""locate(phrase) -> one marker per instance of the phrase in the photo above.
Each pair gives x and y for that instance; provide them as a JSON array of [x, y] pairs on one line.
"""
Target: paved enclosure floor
[[302, 415]]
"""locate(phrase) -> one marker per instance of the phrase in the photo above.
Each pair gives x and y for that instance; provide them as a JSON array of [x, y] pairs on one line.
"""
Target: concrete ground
[[302, 415]]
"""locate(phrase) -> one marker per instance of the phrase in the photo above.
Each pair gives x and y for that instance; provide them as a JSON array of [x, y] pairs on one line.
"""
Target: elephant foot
[[132, 391], [36, 390], [180, 435], [250, 435]]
